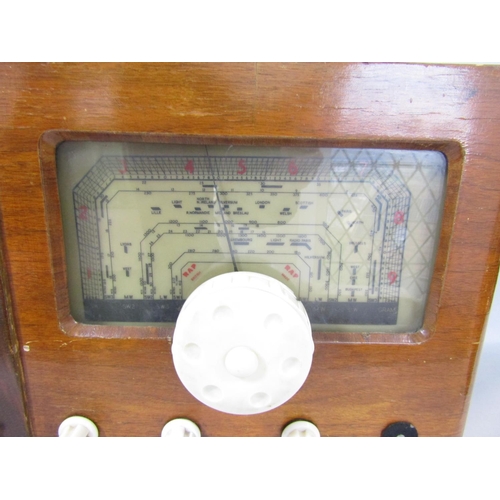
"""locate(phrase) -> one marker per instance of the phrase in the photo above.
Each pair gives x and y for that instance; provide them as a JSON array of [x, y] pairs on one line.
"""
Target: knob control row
[[78, 426]]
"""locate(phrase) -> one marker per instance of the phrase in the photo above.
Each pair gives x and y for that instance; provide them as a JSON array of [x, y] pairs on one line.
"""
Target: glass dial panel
[[352, 232]]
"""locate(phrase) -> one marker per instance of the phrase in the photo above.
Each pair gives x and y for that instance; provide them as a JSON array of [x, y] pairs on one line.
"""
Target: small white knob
[[77, 426], [242, 343], [301, 428], [180, 427]]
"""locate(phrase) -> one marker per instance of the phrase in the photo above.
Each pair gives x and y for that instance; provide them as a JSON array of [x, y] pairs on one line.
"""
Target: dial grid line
[[425, 209], [88, 239]]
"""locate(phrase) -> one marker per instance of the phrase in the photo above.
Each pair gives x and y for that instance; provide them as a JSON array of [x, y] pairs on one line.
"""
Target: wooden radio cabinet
[[396, 167]]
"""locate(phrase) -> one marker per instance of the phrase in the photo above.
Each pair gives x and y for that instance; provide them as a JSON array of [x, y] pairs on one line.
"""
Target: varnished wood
[[128, 385], [13, 418]]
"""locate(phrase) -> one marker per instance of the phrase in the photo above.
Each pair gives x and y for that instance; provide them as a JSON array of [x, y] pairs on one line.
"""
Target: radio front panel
[[246, 260]]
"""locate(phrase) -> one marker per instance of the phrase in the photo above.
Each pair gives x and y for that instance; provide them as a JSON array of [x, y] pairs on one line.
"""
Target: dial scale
[[352, 232]]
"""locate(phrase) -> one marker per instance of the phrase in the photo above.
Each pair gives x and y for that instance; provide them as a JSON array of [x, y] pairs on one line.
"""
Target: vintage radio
[[307, 249]]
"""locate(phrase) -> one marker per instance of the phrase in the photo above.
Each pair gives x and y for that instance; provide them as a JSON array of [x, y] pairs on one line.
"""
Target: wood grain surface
[[13, 417], [128, 386]]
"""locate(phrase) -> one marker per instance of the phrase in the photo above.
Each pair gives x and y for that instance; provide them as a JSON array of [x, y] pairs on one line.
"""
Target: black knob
[[400, 429]]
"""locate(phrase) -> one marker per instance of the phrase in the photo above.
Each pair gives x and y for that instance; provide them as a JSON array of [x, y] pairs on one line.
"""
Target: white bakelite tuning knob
[[242, 343], [301, 428], [77, 426], [180, 427]]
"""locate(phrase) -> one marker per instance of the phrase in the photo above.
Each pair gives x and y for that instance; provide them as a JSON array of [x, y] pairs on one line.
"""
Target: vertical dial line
[[216, 189]]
